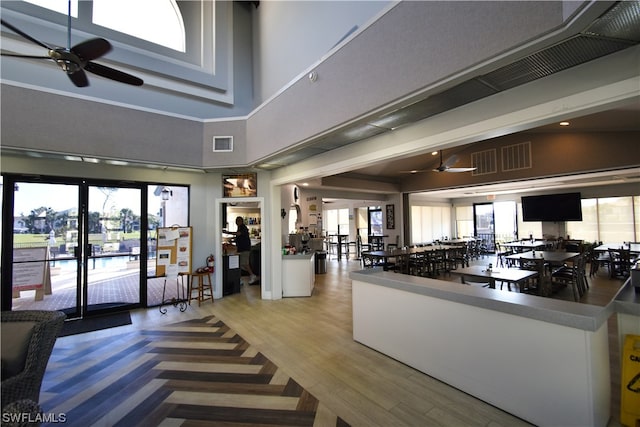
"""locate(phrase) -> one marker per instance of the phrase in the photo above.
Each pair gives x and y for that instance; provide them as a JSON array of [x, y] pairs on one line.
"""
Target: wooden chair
[[332, 245], [437, 262], [369, 261], [401, 263], [419, 264], [394, 246], [619, 263], [459, 255], [601, 259], [361, 247], [541, 284], [478, 284], [572, 275], [501, 255]]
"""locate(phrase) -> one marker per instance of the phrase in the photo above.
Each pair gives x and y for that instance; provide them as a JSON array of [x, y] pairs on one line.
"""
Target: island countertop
[[565, 313], [627, 300]]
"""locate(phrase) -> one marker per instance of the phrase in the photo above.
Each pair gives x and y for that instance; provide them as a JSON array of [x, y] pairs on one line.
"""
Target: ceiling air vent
[[516, 157], [485, 162], [222, 144]]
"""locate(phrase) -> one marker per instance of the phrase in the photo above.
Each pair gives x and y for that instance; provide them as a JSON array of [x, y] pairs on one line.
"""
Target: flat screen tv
[[552, 207]]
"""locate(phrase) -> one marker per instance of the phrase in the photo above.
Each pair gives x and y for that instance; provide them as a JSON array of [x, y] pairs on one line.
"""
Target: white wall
[[290, 36]]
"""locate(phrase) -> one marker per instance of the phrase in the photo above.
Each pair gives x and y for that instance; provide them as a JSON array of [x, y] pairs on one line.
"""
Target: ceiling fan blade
[[23, 34], [414, 171], [79, 78], [459, 169], [17, 55], [91, 49], [450, 161], [113, 74]]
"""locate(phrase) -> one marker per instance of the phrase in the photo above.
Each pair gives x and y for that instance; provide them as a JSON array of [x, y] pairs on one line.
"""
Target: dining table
[[490, 276], [460, 241], [634, 247], [553, 257], [521, 245], [383, 256]]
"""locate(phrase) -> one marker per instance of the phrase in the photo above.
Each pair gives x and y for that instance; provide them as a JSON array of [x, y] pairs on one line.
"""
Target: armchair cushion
[[44, 328], [15, 344]]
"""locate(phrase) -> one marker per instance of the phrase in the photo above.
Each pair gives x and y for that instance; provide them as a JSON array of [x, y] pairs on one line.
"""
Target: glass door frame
[[486, 245], [82, 251], [89, 256]]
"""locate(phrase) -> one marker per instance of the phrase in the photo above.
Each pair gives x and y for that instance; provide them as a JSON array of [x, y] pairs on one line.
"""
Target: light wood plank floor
[[310, 339]]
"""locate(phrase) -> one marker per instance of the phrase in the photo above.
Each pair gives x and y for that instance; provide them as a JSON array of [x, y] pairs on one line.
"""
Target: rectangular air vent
[[222, 144], [485, 162], [516, 157]]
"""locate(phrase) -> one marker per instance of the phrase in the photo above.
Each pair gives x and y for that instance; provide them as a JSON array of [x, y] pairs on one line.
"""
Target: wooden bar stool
[[200, 282]]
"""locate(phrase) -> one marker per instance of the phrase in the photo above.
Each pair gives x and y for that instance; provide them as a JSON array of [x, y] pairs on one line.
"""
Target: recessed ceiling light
[[305, 184], [564, 123], [434, 153]]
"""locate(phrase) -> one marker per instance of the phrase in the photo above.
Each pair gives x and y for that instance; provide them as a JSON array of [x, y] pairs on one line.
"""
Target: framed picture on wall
[[391, 220], [245, 185]]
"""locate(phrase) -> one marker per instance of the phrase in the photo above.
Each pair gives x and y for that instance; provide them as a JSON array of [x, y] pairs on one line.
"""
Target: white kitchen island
[[544, 360], [298, 275]]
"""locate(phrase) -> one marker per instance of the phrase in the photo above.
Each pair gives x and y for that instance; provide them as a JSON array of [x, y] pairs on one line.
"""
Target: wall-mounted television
[[552, 207]]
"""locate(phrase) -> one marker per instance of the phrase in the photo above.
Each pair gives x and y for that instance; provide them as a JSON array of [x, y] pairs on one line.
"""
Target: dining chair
[[401, 264], [394, 246], [419, 264], [369, 261], [332, 244], [438, 262], [601, 259], [459, 255], [619, 262], [475, 283], [361, 247], [572, 275], [539, 285], [501, 255]]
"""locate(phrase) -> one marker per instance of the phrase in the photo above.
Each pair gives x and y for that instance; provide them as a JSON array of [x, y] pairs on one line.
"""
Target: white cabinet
[[298, 275]]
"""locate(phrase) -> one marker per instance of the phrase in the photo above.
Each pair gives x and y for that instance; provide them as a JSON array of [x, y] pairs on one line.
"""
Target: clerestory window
[[191, 55], [156, 21]]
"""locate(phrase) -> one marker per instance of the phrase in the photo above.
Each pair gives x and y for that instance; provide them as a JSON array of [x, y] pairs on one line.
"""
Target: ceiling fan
[[74, 61], [445, 166]]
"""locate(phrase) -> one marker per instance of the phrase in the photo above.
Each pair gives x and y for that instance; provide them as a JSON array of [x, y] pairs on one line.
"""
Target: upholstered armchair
[[28, 338]]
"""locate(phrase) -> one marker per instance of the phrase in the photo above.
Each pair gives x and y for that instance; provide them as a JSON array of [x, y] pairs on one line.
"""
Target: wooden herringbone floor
[[194, 372], [163, 369]]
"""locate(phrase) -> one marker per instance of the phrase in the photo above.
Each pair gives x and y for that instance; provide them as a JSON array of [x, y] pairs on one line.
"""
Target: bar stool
[[200, 282]]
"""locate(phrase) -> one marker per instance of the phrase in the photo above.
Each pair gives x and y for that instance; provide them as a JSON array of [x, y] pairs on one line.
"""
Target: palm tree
[[126, 219]]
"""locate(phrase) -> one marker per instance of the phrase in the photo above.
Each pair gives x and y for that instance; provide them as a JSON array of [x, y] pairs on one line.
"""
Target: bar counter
[[543, 360], [298, 274]]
